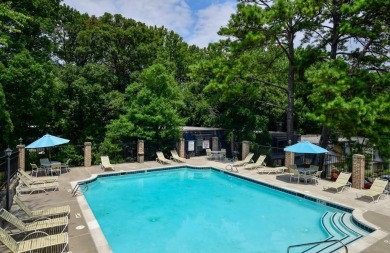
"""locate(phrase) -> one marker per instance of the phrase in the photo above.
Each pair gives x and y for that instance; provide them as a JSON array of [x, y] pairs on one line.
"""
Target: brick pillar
[[245, 149], [87, 154], [140, 151], [22, 156], [214, 143], [289, 159], [358, 169], [182, 149]]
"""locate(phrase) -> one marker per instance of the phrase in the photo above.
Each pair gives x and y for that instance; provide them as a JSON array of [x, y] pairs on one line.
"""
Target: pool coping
[[102, 245]]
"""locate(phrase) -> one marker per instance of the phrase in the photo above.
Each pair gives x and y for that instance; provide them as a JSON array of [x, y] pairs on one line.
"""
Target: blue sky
[[197, 21]]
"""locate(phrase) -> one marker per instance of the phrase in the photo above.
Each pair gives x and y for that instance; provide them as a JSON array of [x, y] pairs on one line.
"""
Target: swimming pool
[[204, 210]]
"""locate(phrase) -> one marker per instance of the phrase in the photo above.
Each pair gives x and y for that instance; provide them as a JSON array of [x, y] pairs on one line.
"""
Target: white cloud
[[196, 28], [209, 21]]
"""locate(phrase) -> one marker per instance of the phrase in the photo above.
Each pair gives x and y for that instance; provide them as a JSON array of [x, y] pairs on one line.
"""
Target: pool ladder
[[317, 243], [77, 189]]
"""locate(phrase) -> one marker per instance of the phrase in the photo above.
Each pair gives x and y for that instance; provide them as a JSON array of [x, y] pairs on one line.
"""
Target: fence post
[[289, 159], [245, 149], [22, 156], [358, 171], [140, 151], [182, 148], [87, 154]]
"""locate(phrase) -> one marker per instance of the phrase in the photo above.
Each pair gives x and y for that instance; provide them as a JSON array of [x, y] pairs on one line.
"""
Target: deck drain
[[80, 227]]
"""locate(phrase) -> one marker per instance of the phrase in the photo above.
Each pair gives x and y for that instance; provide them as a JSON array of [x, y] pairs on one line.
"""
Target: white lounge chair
[[49, 226], [175, 157], [49, 212], [258, 164], [26, 187], [161, 158], [59, 243], [37, 180], [237, 164], [341, 182], [377, 189], [106, 165]]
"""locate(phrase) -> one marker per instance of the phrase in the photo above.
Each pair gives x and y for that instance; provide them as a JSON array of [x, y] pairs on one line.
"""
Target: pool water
[[193, 210]]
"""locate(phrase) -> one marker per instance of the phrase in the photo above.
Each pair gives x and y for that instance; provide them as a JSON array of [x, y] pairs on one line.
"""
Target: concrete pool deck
[[84, 238]]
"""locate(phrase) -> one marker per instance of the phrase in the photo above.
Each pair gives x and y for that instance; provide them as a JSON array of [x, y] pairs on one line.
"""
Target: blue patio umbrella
[[47, 141], [305, 147]]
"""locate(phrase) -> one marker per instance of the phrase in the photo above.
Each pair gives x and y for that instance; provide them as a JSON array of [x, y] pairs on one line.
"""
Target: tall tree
[[265, 23], [358, 32]]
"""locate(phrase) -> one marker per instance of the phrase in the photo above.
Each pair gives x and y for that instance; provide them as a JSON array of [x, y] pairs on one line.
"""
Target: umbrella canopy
[[47, 141], [306, 148]]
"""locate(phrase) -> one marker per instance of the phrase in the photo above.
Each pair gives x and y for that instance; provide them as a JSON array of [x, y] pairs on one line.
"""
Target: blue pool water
[[192, 210]]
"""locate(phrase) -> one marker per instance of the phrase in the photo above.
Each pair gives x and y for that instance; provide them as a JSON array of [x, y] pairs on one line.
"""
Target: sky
[[197, 21]]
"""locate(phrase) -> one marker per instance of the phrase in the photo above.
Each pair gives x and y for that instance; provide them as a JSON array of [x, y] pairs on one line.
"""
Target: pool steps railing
[[317, 243], [79, 189], [341, 230]]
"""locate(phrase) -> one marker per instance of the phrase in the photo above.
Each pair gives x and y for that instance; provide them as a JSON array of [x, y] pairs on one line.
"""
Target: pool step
[[339, 226]]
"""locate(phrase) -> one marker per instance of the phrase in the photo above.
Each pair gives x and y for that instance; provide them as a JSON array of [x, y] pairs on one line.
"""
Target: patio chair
[[59, 243], [294, 173], [222, 155], [55, 168], [49, 212], [26, 187], [175, 156], [238, 164], [316, 177], [48, 226], [36, 180], [106, 165], [376, 189], [36, 169], [258, 164], [209, 155], [161, 158], [65, 166], [341, 182]]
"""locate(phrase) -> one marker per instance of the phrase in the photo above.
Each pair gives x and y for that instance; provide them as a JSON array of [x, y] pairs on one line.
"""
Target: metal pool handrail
[[77, 188], [317, 243]]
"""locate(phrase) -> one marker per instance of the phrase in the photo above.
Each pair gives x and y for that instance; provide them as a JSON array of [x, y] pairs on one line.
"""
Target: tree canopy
[[319, 66]]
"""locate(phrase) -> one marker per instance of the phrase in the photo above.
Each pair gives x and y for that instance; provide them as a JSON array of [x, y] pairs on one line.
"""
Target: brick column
[[87, 154], [140, 151], [214, 143], [358, 169], [245, 149], [22, 156], [289, 159], [182, 149]]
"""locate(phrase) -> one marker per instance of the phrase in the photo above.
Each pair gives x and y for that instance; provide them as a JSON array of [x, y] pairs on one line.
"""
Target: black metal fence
[[8, 164]]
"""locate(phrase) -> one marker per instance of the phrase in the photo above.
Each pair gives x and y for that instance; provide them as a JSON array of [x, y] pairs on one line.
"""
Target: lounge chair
[[258, 164], [36, 180], [40, 244], [269, 170], [161, 158], [52, 226], [376, 189], [49, 212], [237, 164], [340, 183], [175, 156], [26, 187], [106, 165]]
